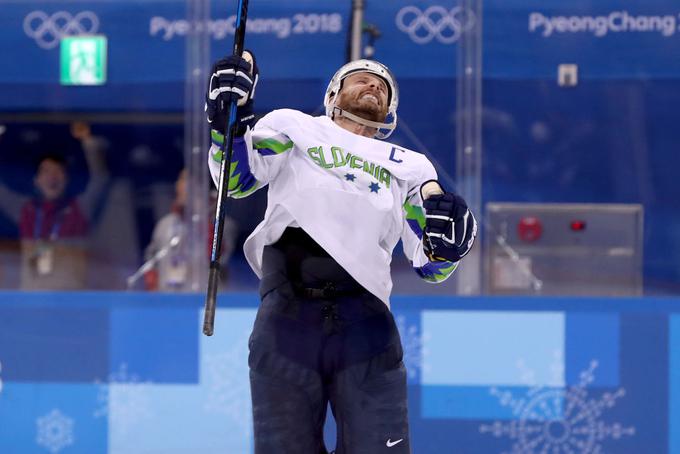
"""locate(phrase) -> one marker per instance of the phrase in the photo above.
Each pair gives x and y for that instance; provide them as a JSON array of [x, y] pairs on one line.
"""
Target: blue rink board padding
[[130, 373], [674, 411]]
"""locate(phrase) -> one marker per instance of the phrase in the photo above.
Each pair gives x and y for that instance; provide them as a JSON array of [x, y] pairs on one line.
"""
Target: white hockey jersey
[[355, 196]]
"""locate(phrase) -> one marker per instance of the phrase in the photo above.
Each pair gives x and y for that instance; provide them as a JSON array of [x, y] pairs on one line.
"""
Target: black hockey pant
[[322, 338]]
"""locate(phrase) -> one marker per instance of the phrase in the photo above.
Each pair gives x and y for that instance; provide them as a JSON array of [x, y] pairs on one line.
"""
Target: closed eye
[[381, 85]]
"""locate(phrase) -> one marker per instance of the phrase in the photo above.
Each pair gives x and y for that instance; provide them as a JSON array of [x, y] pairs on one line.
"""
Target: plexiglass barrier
[[512, 101], [577, 110]]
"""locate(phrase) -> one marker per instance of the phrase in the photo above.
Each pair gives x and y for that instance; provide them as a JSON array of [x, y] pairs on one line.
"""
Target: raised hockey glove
[[232, 78], [450, 228]]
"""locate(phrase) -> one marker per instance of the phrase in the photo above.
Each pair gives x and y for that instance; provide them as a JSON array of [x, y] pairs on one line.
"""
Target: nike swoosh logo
[[391, 443]]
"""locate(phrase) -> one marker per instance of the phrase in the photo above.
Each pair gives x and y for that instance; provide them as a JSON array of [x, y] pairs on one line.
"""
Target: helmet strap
[[362, 121]]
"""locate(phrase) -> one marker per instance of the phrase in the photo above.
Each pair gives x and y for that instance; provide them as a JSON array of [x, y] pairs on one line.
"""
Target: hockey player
[[339, 200]]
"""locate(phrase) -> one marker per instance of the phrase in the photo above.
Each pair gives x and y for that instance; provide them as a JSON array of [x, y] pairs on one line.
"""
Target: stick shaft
[[223, 187]]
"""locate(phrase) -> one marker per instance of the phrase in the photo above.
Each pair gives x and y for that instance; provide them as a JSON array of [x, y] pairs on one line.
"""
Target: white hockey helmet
[[370, 66]]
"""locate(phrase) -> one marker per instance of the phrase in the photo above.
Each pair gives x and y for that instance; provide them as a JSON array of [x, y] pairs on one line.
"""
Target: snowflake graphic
[[55, 431], [413, 343], [124, 400], [228, 384], [557, 421]]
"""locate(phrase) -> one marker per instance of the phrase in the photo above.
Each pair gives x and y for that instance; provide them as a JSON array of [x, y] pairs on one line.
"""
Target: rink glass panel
[[554, 112]]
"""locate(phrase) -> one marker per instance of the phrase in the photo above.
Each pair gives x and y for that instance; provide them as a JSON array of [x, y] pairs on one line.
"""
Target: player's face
[[51, 179], [364, 94]]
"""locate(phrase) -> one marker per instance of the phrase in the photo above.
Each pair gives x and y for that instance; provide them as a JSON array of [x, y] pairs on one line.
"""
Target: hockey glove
[[450, 228], [232, 79]]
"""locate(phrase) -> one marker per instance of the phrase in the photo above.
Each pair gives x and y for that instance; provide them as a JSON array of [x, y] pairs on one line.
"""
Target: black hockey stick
[[223, 187]]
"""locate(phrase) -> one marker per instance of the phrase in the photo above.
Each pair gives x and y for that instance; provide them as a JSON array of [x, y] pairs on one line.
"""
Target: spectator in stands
[[53, 224], [166, 257], [53, 230]]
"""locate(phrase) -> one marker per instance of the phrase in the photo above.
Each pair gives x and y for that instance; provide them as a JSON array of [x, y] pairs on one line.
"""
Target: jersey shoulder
[[282, 119], [410, 164]]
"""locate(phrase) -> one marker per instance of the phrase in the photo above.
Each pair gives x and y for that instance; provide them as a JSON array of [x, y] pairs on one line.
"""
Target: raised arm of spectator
[[94, 149]]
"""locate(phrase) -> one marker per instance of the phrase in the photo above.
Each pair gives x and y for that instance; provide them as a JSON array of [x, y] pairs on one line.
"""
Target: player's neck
[[354, 127]]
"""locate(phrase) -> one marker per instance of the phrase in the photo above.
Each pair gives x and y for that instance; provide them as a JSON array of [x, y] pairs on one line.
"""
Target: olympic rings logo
[[436, 22], [48, 30]]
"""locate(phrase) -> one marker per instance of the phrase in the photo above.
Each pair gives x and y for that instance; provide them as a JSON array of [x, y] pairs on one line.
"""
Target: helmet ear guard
[[383, 130]]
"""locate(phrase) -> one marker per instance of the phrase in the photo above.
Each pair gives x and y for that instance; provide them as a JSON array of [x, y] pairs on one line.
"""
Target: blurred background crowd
[[84, 210]]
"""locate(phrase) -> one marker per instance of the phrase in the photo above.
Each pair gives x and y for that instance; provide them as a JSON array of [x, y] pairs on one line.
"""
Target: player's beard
[[363, 108]]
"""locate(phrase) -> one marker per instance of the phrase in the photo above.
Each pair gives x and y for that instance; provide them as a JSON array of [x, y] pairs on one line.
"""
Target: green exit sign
[[83, 60]]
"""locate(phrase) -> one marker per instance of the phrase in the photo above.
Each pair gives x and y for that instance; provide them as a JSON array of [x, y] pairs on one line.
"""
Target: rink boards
[[132, 373]]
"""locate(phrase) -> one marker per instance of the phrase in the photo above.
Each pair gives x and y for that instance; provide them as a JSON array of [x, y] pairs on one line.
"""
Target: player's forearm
[[242, 182], [432, 271]]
